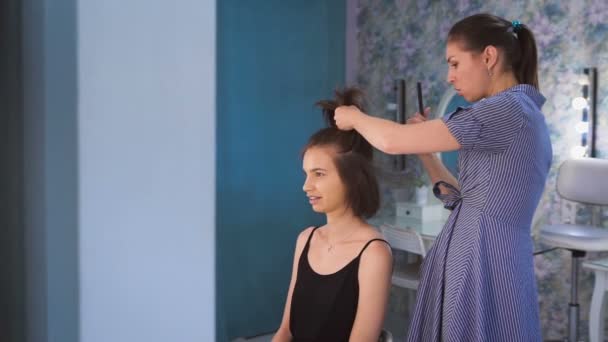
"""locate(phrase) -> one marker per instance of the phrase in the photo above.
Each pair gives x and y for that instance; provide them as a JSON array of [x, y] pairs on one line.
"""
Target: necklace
[[331, 246]]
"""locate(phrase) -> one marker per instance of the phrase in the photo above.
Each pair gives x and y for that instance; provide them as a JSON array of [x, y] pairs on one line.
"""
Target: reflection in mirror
[[449, 102]]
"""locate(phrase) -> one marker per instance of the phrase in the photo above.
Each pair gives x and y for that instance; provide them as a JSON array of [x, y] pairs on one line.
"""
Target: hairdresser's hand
[[418, 118], [345, 117]]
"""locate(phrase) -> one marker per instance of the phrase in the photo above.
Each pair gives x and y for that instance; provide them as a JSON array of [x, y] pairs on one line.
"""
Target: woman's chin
[[317, 209]]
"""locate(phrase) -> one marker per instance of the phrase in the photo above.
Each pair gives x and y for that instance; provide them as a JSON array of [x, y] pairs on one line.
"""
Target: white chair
[[585, 181], [409, 241], [597, 311]]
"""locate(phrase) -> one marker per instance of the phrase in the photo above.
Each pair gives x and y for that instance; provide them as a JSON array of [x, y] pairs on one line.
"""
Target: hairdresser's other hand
[[346, 116], [418, 118]]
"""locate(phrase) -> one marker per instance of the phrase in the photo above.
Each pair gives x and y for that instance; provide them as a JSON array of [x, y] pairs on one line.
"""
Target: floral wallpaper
[[406, 39]]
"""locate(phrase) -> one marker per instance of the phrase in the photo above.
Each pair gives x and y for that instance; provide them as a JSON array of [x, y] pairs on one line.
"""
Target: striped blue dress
[[477, 281]]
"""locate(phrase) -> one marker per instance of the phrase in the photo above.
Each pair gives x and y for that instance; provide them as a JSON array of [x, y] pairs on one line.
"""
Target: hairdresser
[[477, 281]]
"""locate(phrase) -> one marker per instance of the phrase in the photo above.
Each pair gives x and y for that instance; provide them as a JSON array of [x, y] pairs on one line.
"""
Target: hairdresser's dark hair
[[517, 41], [354, 155]]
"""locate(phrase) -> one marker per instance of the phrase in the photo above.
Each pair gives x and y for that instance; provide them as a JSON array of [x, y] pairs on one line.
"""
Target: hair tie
[[516, 24]]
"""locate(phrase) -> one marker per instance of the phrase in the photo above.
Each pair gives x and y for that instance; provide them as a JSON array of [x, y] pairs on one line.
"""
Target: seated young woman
[[341, 273]]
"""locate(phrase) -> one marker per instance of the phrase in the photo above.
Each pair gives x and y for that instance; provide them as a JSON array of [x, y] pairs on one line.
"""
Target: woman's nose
[[450, 78], [306, 186]]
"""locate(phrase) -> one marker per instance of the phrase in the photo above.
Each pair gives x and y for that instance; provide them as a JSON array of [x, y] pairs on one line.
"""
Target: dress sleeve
[[490, 125]]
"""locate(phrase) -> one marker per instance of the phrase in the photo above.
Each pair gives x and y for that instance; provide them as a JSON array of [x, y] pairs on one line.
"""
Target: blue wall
[[275, 59]]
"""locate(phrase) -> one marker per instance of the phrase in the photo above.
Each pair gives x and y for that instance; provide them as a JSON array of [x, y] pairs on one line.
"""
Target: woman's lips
[[313, 199]]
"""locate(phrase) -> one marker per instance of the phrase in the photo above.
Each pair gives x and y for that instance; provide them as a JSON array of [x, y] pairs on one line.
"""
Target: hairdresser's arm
[[374, 287], [437, 171], [431, 162], [393, 138], [284, 333]]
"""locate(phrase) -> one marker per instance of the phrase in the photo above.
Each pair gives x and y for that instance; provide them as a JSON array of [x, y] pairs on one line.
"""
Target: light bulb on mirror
[[579, 103]]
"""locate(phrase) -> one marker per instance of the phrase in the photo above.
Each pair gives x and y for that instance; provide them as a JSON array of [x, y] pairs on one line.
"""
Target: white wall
[[146, 135]]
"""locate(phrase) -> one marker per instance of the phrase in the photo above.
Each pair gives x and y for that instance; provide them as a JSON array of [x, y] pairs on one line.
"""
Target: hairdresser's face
[[467, 72], [323, 185]]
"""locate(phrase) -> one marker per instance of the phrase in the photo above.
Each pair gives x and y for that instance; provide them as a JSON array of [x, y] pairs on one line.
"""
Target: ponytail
[[526, 68], [346, 140]]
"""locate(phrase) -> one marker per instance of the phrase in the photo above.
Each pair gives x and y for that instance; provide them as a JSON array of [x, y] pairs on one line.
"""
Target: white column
[[146, 123]]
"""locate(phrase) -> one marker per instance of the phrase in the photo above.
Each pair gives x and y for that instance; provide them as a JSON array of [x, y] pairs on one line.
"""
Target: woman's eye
[[319, 174]]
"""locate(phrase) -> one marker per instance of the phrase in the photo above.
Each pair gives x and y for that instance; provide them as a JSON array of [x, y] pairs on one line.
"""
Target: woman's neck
[[342, 222], [503, 82]]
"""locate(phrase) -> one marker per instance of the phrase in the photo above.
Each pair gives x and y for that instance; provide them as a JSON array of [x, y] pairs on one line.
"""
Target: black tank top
[[323, 307]]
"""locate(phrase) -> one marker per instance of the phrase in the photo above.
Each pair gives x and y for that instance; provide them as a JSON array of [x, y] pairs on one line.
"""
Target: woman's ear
[[490, 56]]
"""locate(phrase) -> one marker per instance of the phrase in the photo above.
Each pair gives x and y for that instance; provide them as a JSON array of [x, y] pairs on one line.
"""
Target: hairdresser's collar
[[532, 93]]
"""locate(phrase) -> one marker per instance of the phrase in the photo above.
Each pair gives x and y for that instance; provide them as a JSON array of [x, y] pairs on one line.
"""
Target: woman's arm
[[393, 138], [375, 270], [284, 334], [431, 162], [437, 171]]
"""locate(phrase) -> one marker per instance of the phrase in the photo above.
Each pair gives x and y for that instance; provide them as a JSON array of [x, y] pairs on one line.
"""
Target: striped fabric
[[477, 281]]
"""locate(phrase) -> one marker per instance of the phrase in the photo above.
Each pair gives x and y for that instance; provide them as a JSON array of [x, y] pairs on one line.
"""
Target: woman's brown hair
[[354, 155], [514, 38]]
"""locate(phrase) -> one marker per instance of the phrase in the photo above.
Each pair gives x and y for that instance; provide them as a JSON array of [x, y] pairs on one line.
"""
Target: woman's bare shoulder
[[303, 236]]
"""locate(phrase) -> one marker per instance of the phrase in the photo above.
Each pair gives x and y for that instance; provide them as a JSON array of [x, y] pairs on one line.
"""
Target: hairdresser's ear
[[490, 56]]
